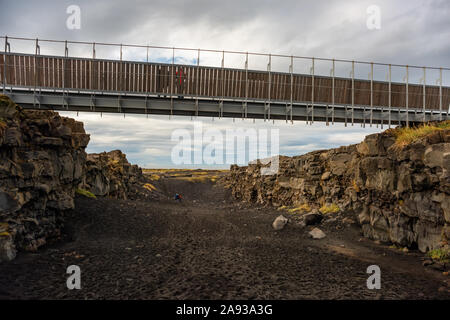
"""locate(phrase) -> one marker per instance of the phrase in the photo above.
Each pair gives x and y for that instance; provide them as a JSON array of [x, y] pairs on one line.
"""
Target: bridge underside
[[190, 106]]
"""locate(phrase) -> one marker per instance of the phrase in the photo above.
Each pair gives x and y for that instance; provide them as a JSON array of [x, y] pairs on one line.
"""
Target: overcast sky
[[411, 32]]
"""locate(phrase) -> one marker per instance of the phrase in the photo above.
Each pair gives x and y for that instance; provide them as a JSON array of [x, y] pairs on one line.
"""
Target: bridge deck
[[86, 84], [99, 75]]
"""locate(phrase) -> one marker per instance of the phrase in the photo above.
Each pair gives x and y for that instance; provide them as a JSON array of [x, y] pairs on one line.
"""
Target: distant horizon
[[151, 148]]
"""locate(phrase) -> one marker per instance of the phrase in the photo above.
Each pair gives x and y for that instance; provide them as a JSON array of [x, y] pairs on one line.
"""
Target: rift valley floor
[[210, 247]]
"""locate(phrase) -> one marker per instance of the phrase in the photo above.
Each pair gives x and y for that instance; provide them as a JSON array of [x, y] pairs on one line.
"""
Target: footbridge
[[217, 83]]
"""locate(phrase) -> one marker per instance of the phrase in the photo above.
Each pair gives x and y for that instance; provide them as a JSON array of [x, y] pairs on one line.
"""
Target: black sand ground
[[209, 248]]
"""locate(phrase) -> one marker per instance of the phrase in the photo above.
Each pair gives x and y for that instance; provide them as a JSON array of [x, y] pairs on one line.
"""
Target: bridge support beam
[[191, 106]]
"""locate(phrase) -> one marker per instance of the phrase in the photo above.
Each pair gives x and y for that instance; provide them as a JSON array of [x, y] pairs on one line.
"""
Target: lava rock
[[280, 222], [317, 234], [312, 218]]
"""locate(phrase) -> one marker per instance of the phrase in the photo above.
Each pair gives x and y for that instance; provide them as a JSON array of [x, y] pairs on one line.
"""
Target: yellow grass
[[404, 136], [300, 209], [149, 187], [160, 170], [85, 193], [192, 175], [202, 179], [355, 186], [329, 208]]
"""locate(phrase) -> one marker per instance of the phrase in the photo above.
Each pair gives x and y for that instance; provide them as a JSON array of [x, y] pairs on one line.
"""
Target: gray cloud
[[412, 32]]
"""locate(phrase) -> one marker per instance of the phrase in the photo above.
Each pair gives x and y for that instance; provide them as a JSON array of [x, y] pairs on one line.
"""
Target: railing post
[[5, 67], [353, 96], [119, 108], [171, 81], [333, 74], [269, 69], [246, 86], [146, 83], [197, 82], [407, 96], [440, 94], [37, 51], [371, 93], [424, 92], [291, 69], [312, 92], [390, 95], [364, 113], [66, 54], [91, 76], [38, 48], [223, 85]]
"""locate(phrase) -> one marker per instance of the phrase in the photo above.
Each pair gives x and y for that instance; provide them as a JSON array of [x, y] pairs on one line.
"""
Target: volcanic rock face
[[399, 195], [42, 157], [109, 174]]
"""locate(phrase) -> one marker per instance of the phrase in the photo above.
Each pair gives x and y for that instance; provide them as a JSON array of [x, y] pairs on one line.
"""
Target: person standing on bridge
[[180, 81]]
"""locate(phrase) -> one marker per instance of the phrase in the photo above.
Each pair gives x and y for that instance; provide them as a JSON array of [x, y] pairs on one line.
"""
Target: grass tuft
[[440, 255], [300, 209], [406, 135], [86, 193], [329, 208], [149, 187]]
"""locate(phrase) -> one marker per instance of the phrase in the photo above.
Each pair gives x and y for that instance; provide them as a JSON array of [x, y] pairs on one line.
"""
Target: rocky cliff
[[43, 164], [109, 174], [397, 194], [42, 158]]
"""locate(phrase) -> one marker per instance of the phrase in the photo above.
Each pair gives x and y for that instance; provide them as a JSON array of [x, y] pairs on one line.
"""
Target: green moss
[[440, 255], [86, 193]]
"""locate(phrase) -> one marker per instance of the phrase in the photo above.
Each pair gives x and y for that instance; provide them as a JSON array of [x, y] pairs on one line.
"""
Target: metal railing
[[196, 81]]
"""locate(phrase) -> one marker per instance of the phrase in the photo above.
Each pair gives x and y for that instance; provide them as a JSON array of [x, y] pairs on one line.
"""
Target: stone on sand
[[316, 233], [279, 222]]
